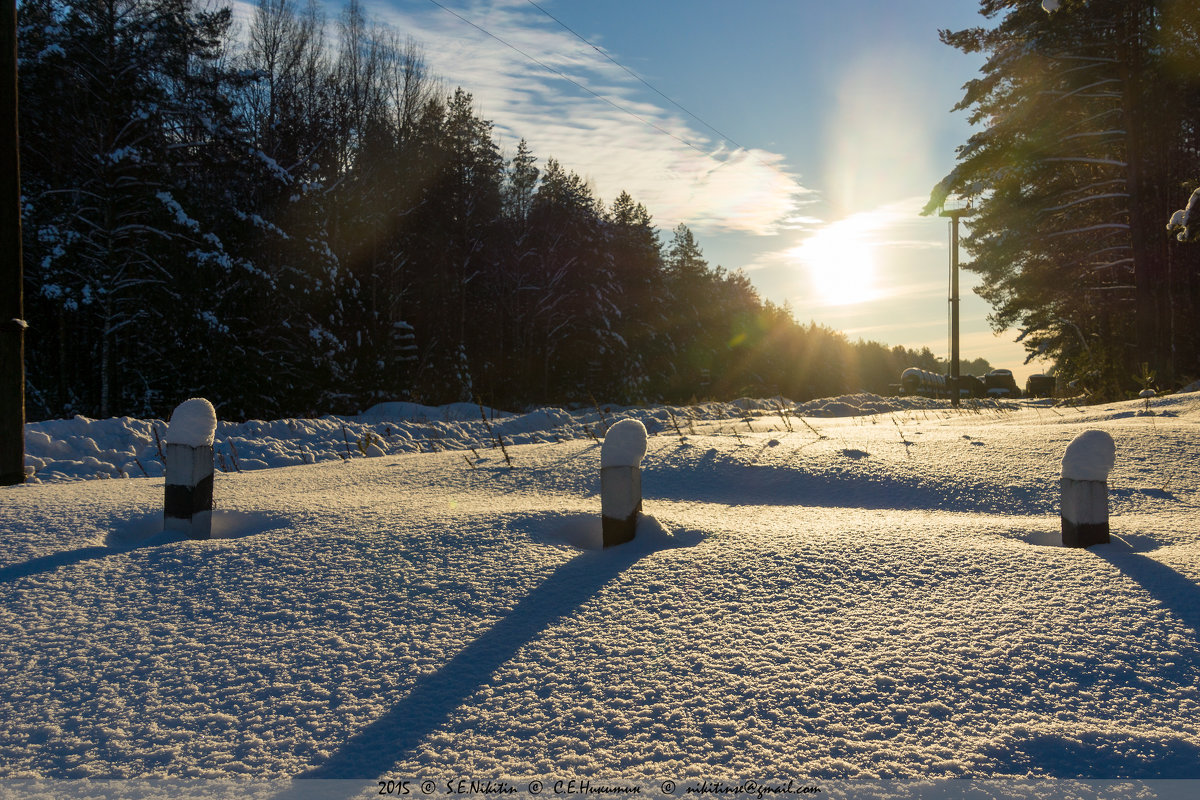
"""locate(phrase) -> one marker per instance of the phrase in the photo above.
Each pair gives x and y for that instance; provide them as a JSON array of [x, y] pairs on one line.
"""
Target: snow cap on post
[[188, 497], [1085, 467], [621, 480], [1090, 457], [193, 423], [624, 444]]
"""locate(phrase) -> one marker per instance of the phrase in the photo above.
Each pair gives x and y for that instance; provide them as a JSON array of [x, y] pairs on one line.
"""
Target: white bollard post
[[1085, 467], [621, 480], [188, 501]]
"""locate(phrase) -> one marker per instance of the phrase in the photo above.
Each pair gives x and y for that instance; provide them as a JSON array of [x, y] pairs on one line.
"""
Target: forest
[[304, 220], [1088, 140]]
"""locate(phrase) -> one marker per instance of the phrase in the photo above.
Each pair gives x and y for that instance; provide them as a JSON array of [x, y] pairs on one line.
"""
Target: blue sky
[[838, 123]]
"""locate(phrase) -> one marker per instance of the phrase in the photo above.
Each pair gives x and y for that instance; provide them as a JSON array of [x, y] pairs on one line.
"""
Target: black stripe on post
[[1084, 534], [1084, 513], [183, 502], [620, 503], [188, 496], [618, 531]]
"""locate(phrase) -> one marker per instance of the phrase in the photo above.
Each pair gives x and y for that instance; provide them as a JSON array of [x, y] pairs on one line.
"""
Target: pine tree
[[1071, 176], [575, 310], [640, 278], [689, 282]]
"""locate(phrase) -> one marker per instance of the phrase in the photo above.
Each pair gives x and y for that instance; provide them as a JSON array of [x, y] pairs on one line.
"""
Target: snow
[[1089, 457], [53, 49], [1182, 220], [193, 423], [624, 444], [1120, 226], [181, 217], [873, 593]]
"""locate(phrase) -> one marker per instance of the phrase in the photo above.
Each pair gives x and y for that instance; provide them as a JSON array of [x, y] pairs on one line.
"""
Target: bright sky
[[834, 121]]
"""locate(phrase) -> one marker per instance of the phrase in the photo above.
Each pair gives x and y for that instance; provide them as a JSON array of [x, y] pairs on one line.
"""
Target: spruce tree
[[1071, 177]]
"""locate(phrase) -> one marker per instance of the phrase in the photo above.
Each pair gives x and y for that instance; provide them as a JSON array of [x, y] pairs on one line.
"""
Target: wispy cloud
[[607, 132]]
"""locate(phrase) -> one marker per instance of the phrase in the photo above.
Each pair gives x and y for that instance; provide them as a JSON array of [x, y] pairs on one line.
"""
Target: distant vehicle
[[1040, 385], [918, 382], [970, 386], [1000, 383]]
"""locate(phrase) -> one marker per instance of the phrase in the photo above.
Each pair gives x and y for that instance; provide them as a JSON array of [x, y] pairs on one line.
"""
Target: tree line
[[1088, 140], [304, 220]]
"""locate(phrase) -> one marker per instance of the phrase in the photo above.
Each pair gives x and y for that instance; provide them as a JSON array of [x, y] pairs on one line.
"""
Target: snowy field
[[859, 588]]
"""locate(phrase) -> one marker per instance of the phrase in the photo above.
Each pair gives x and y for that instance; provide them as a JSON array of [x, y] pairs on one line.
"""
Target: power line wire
[[636, 77]]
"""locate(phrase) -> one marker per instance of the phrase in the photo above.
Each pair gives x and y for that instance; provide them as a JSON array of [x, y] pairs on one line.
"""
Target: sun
[[840, 262]]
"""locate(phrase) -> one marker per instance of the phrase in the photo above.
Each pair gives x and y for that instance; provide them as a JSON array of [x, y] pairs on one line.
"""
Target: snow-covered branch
[[1183, 222], [1121, 226], [1109, 162]]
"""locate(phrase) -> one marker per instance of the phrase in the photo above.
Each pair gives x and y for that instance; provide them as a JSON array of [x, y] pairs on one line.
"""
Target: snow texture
[[193, 423], [876, 595], [624, 444], [1089, 457]]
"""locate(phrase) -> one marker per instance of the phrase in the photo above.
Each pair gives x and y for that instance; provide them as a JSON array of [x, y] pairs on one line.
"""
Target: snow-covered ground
[[873, 589]]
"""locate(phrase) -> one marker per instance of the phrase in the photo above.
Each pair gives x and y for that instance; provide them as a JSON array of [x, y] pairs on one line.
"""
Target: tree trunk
[[1150, 258], [106, 345]]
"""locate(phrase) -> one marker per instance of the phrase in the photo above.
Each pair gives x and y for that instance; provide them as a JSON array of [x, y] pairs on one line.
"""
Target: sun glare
[[840, 264]]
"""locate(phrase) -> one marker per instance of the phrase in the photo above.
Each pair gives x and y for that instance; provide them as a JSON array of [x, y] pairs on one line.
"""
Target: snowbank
[[83, 448]]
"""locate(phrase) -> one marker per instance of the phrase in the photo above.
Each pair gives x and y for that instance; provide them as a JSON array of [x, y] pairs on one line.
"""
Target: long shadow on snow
[[1103, 756], [1176, 592], [713, 480], [143, 531], [433, 700], [1114, 755], [67, 558], [126, 536]]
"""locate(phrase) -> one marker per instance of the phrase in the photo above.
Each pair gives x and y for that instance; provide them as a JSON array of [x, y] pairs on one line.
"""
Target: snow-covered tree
[[1184, 224], [121, 100], [296, 221], [641, 284]]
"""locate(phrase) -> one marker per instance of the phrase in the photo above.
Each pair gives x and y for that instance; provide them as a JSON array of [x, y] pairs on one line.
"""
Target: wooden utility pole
[[12, 312], [955, 214]]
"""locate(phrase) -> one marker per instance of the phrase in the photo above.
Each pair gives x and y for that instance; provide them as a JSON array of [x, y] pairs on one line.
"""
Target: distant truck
[[1040, 386], [970, 386], [1000, 383]]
